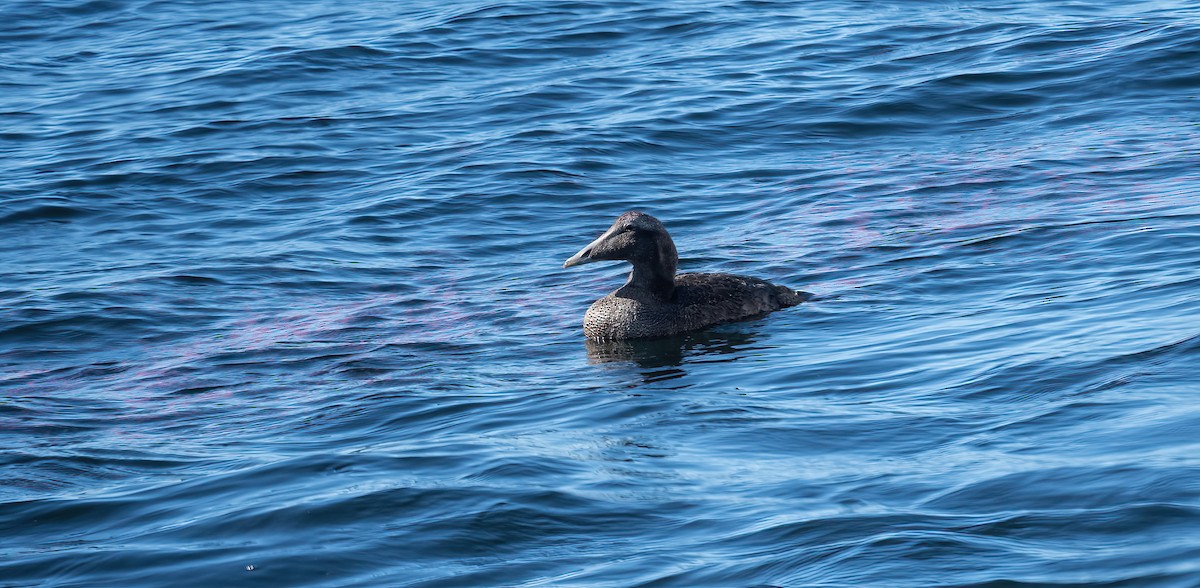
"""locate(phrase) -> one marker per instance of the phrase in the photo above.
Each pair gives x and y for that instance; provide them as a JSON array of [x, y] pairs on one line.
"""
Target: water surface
[[281, 298]]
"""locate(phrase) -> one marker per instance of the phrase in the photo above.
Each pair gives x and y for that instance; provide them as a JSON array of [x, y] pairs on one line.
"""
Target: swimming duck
[[655, 302]]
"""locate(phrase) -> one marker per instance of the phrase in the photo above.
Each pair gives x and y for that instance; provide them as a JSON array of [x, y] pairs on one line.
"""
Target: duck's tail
[[790, 297]]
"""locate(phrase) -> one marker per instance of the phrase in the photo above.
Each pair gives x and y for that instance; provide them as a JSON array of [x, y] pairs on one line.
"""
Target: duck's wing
[[706, 299]]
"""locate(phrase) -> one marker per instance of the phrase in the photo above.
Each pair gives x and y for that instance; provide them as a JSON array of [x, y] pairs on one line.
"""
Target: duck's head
[[635, 237]]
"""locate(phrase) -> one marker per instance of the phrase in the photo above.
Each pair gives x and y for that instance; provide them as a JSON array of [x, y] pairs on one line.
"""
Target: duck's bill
[[580, 258], [585, 254]]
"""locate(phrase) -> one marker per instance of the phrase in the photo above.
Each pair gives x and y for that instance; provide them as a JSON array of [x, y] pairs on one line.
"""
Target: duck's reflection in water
[[664, 358]]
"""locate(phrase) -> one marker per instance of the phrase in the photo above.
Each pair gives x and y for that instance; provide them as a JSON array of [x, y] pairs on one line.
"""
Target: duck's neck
[[655, 278]]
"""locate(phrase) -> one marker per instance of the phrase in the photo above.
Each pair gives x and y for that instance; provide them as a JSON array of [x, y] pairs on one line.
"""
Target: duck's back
[[699, 301], [707, 299]]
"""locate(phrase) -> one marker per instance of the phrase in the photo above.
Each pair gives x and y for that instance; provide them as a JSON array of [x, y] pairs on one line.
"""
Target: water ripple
[[282, 302]]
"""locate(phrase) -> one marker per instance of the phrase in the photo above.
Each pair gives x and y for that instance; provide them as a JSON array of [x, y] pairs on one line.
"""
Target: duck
[[655, 302]]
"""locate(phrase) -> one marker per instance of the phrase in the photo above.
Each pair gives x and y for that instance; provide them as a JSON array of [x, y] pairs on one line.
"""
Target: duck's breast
[[618, 317]]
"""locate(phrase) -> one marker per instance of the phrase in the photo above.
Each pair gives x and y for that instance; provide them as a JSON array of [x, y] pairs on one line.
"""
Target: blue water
[[281, 297]]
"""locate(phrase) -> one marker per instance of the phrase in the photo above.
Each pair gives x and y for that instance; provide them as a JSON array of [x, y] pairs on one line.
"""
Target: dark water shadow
[[663, 358]]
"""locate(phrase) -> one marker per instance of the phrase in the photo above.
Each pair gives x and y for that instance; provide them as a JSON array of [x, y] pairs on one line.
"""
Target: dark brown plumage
[[654, 302]]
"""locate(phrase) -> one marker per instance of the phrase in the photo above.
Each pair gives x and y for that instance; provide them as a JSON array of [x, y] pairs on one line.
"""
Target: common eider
[[655, 302]]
